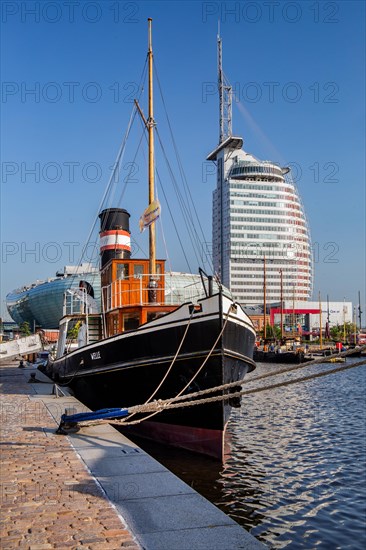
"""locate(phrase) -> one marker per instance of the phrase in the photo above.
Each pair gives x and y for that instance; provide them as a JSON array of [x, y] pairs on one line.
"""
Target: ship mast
[[150, 125]]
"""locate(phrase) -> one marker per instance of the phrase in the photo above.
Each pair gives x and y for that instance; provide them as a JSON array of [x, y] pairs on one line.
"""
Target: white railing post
[[86, 315]]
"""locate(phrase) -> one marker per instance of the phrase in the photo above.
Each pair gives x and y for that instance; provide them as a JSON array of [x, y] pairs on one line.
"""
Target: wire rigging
[[187, 205]]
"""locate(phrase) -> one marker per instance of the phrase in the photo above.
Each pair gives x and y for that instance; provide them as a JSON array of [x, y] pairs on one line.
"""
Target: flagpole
[[320, 323], [293, 311], [359, 311], [281, 298], [264, 298]]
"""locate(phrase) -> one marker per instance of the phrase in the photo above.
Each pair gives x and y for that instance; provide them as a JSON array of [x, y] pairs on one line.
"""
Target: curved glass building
[[260, 233], [41, 303]]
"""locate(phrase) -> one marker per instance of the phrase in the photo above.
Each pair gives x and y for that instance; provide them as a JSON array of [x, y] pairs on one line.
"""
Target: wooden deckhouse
[[127, 297]]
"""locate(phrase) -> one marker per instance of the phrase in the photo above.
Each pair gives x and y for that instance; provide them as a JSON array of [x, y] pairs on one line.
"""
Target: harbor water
[[295, 468]]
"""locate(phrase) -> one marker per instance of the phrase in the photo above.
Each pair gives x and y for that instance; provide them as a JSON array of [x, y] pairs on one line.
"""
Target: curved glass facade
[[41, 304], [260, 231], [243, 169]]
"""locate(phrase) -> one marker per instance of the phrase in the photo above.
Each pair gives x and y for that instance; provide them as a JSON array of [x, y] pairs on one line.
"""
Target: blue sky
[[297, 69]]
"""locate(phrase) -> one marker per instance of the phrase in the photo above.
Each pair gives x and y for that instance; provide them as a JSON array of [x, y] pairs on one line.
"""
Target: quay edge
[[152, 507]]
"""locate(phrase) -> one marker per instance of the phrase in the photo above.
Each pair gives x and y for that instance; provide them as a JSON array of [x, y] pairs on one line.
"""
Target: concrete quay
[[93, 489]]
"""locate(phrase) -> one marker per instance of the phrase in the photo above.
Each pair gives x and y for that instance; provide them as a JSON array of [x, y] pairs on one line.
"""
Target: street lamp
[[264, 298], [281, 299], [293, 311], [320, 323], [264, 294], [359, 311]]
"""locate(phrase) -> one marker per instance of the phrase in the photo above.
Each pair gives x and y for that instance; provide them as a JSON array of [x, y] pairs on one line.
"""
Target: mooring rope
[[163, 405], [323, 359], [147, 406], [171, 364], [179, 395], [319, 360]]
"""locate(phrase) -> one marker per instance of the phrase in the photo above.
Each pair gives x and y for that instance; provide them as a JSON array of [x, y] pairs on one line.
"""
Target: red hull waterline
[[198, 440]]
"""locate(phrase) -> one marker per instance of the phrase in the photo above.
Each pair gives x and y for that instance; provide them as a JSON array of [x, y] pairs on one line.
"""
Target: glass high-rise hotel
[[261, 237]]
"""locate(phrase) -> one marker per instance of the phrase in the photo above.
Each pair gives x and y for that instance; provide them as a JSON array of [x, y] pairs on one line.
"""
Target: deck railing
[[78, 301], [134, 291]]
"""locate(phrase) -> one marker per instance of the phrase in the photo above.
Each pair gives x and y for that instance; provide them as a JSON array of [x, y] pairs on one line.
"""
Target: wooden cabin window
[[122, 271], [155, 315], [131, 321], [138, 271]]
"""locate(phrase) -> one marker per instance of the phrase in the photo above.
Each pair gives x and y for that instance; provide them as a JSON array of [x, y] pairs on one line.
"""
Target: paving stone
[[49, 499]]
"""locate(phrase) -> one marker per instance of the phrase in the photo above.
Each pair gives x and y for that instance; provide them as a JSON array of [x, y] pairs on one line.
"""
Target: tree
[[272, 332], [25, 328], [73, 332], [336, 332]]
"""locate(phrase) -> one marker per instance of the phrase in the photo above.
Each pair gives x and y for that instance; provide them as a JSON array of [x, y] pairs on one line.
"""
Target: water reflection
[[294, 474]]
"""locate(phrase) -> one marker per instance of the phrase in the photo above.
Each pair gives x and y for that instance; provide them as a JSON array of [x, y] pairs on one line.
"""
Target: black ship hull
[[125, 370]]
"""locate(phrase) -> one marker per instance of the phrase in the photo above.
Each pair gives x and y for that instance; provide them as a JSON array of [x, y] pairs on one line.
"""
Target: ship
[[148, 346]]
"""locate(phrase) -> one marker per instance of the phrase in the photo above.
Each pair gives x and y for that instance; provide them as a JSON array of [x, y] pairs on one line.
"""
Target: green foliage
[[271, 332], [73, 332], [25, 328], [337, 332], [274, 332]]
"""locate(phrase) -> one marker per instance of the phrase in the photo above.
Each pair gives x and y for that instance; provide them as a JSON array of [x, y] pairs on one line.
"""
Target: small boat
[[280, 357], [144, 347]]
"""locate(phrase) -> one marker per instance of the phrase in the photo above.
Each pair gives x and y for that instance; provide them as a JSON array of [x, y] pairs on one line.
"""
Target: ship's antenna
[[225, 96]]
